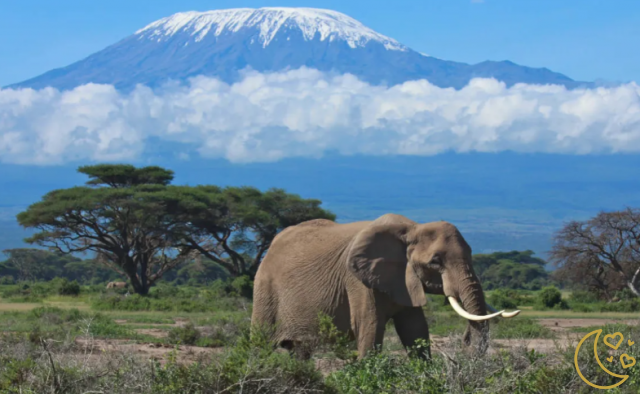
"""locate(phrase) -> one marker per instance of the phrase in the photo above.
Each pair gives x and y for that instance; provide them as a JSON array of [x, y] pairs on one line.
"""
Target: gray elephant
[[116, 285], [362, 274]]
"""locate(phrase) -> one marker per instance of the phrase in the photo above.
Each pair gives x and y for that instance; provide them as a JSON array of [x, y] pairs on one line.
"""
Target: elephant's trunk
[[473, 307], [473, 302]]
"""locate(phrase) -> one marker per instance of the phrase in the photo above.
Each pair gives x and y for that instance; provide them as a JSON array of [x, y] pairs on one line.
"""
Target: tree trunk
[[130, 268], [633, 283]]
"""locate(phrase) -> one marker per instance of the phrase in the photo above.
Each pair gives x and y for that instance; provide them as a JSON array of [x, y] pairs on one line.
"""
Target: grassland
[[85, 344]]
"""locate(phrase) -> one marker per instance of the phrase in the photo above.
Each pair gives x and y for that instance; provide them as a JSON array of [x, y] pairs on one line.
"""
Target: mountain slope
[[221, 43]]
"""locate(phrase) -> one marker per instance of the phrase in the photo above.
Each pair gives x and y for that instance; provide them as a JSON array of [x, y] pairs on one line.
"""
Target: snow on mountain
[[327, 24], [222, 43]]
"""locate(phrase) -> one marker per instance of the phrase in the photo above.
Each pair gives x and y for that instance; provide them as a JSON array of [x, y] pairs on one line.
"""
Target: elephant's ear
[[378, 257]]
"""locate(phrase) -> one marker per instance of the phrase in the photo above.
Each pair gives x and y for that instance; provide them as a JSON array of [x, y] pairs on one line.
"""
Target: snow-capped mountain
[[221, 43], [329, 25]]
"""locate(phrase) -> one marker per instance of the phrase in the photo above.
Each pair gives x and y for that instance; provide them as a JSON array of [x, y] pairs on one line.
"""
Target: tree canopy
[[141, 226], [26, 264], [512, 270], [600, 254]]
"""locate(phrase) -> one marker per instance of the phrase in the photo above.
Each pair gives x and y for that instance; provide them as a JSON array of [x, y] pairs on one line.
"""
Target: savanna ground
[[195, 340]]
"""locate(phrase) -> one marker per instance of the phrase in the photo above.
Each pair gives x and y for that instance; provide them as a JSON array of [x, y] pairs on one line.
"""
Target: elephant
[[363, 274], [116, 285]]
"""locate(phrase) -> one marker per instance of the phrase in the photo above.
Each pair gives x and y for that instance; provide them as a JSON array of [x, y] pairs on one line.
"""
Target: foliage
[[583, 297], [551, 297], [512, 270], [519, 328], [141, 227], [27, 264], [185, 335], [341, 345], [69, 288], [501, 299], [234, 226], [119, 216], [384, 373], [601, 254]]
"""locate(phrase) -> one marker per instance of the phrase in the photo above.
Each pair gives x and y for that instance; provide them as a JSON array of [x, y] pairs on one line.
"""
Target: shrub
[[384, 373], [242, 286], [186, 335], [339, 342], [583, 297], [69, 288], [500, 299], [551, 298]]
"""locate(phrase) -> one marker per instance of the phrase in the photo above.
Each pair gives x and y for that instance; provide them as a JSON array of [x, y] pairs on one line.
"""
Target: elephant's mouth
[[469, 316]]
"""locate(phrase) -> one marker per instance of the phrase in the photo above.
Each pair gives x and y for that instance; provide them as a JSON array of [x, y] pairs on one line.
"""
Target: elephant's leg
[[411, 325], [371, 335]]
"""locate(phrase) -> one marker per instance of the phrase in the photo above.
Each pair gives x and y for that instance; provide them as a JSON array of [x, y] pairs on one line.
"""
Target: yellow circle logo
[[613, 341]]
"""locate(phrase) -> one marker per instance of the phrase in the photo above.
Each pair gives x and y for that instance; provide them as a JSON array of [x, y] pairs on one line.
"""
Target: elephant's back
[[309, 243]]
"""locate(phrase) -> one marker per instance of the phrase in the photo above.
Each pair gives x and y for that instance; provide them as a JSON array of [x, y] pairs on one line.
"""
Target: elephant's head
[[405, 259]]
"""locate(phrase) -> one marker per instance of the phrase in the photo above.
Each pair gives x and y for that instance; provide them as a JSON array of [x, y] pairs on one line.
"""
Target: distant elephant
[[362, 274], [116, 285]]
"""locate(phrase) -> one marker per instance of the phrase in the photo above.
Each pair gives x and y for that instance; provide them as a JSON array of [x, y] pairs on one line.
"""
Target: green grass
[[608, 328], [55, 321]]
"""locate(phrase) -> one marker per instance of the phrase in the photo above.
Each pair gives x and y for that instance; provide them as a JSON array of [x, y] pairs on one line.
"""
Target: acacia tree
[[603, 250], [140, 226], [118, 215], [234, 226]]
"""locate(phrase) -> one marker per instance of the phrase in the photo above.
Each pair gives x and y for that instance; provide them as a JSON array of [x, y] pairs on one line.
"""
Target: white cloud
[[304, 112]]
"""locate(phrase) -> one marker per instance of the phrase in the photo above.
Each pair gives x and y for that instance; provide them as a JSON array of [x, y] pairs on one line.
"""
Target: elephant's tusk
[[510, 314], [504, 314], [469, 316]]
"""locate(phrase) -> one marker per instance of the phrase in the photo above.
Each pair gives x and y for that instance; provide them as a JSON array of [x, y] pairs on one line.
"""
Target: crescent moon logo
[[595, 352]]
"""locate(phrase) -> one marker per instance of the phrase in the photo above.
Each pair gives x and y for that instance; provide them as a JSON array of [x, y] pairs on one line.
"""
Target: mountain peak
[[269, 21]]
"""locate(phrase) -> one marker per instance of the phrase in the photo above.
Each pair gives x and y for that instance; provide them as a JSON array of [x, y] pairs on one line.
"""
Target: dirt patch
[[154, 332], [187, 354], [567, 324]]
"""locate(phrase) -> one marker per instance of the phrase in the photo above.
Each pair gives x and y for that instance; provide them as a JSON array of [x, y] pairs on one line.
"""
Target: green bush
[[339, 342], [242, 287], [186, 335], [551, 298], [384, 373], [187, 300], [621, 306], [501, 299], [583, 297], [69, 288]]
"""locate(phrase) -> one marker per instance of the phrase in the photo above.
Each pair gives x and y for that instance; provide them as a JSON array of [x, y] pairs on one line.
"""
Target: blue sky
[[585, 39]]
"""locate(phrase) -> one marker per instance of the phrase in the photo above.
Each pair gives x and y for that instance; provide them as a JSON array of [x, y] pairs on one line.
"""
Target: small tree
[[119, 216], [549, 297], [603, 252]]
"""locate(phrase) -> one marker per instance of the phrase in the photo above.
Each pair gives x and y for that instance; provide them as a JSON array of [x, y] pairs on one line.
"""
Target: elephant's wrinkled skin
[[363, 274]]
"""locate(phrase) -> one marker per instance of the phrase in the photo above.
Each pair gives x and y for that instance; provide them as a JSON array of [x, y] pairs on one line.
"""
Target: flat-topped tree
[[120, 215], [141, 226]]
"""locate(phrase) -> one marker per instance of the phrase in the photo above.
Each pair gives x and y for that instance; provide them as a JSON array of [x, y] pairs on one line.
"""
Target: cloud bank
[[267, 117]]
